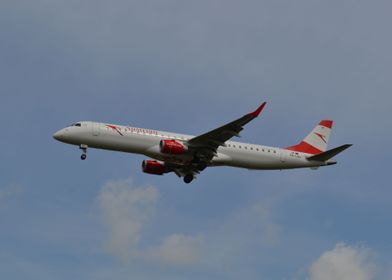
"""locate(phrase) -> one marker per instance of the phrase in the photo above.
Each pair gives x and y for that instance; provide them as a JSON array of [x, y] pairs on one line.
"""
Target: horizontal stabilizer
[[329, 154]]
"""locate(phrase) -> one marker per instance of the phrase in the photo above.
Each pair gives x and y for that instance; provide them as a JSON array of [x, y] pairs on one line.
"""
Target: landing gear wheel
[[188, 178], [83, 147]]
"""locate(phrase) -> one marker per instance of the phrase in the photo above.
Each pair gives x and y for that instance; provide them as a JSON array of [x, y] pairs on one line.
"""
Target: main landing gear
[[83, 147], [188, 178]]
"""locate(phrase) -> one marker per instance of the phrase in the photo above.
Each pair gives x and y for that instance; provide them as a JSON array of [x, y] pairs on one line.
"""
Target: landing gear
[[199, 162], [83, 147], [201, 166], [188, 178]]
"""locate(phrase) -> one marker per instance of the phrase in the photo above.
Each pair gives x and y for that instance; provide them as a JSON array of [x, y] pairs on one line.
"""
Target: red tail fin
[[317, 140]]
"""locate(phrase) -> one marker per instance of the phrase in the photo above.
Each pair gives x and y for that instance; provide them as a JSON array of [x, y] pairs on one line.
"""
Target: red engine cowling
[[172, 147], [153, 167]]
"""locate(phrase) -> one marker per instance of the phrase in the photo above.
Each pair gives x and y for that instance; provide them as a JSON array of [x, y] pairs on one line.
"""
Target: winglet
[[256, 113]]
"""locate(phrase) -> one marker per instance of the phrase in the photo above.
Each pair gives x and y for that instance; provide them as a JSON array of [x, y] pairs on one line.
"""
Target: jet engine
[[153, 167], [172, 147]]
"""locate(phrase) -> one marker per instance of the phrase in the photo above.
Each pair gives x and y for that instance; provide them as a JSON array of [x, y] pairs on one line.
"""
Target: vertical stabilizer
[[317, 140]]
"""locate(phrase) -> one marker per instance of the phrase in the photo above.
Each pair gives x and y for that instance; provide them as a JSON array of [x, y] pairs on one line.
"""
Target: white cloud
[[177, 249], [270, 231], [342, 263], [125, 209]]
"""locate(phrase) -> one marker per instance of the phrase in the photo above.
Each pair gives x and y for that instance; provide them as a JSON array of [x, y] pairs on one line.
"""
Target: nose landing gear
[[84, 149]]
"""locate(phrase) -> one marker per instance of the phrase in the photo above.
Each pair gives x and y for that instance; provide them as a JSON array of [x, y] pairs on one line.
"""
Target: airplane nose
[[58, 135]]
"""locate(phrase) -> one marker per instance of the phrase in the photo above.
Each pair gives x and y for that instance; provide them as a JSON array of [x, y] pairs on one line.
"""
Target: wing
[[206, 145]]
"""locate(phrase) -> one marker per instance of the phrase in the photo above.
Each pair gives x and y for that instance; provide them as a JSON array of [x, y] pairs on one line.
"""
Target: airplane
[[187, 155]]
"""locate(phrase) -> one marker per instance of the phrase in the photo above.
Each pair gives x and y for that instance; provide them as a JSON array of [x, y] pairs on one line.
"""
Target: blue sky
[[190, 66]]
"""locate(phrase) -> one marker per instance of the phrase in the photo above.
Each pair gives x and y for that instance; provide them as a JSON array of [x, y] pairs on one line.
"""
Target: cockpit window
[[76, 124]]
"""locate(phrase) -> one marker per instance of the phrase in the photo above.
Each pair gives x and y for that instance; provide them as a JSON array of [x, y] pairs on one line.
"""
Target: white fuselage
[[146, 142]]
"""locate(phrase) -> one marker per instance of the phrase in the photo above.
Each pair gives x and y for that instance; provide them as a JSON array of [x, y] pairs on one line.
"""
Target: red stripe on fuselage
[[116, 128], [304, 147]]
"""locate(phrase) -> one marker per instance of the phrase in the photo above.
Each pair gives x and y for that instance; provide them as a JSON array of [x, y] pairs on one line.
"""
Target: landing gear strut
[[188, 178], [84, 149]]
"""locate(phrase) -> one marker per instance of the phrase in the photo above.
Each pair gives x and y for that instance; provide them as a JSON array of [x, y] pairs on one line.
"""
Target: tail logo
[[322, 137]]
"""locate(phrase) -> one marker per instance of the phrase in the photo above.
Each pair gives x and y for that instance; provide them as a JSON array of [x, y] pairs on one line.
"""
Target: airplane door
[[282, 155], [96, 128]]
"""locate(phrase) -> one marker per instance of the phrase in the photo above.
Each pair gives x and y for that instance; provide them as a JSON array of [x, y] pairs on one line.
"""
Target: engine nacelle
[[153, 167], [172, 147]]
